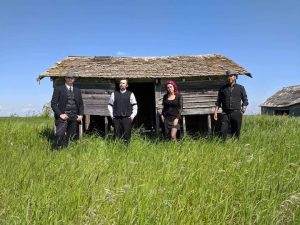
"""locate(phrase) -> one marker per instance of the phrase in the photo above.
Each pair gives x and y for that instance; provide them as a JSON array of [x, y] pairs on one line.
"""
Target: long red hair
[[176, 91]]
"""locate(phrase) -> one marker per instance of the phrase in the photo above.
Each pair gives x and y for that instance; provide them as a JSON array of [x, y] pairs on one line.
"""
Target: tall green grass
[[255, 180]]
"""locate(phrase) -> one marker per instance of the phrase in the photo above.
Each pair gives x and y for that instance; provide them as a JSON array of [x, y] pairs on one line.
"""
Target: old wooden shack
[[284, 102], [199, 77]]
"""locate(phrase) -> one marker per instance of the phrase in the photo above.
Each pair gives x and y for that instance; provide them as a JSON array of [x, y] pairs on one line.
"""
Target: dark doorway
[[196, 124], [97, 125], [282, 112], [145, 97]]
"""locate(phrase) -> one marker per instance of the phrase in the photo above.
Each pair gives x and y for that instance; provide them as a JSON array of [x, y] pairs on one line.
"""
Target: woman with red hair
[[172, 109]]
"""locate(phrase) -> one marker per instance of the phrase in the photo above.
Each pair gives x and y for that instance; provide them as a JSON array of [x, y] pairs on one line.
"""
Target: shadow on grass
[[153, 137], [48, 134], [137, 133]]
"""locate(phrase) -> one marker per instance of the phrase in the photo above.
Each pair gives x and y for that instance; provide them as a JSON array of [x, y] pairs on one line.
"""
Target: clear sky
[[261, 35]]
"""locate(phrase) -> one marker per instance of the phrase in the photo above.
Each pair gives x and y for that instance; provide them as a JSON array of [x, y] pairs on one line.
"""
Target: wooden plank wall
[[199, 96], [295, 110], [267, 110], [95, 96]]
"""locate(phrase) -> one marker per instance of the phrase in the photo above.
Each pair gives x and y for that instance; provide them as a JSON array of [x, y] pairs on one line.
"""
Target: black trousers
[[231, 123], [122, 127], [65, 130]]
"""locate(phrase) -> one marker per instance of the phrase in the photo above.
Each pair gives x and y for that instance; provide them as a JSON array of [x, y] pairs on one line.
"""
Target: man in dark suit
[[67, 106], [230, 97]]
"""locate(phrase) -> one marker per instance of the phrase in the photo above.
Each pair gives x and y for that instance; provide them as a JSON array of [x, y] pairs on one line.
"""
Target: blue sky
[[261, 35]]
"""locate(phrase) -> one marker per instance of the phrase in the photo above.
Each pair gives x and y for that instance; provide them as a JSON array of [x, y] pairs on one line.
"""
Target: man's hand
[[175, 122], [216, 113], [216, 116], [64, 116], [162, 118], [79, 118]]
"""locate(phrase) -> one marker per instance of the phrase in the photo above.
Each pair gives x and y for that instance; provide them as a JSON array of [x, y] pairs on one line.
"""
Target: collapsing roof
[[287, 96], [144, 67]]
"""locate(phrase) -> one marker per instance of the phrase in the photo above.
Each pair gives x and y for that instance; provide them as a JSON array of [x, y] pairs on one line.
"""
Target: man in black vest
[[67, 106], [230, 97], [122, 108]]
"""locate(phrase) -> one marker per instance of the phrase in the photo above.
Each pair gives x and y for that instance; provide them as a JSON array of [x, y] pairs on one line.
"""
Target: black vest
[[231, 97], [122, 106], [71, 107]]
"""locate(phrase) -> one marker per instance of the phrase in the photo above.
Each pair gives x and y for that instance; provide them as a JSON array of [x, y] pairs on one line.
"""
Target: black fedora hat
[[70, 74], [231, 72]]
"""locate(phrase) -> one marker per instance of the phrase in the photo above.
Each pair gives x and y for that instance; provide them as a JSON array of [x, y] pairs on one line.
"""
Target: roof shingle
[[144, 67], [285, 97]]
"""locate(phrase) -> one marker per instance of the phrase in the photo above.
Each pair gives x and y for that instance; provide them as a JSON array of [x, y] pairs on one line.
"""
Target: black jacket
[[60, 98], [230, 98]]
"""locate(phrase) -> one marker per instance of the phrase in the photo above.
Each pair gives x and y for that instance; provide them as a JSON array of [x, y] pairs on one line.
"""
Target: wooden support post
[[157, 88], [87, 121], [80, 130], [156, 121], [209, 123], [184, 125], [105, 125]]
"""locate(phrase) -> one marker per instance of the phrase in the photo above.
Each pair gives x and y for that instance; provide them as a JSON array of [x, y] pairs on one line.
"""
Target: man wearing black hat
[[67, 106], [229, 99]]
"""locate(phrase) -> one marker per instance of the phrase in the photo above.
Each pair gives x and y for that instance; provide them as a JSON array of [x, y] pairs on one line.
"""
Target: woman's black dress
[[172, 110]]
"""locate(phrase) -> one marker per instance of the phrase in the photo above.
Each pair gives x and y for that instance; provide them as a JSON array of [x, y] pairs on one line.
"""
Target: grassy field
[[255, 180]]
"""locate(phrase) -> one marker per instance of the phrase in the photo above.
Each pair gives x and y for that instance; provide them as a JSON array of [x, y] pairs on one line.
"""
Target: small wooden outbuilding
[[284, 102], [198, 77]]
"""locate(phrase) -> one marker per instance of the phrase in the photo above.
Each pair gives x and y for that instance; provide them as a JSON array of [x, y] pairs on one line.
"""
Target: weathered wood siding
[[267, 110], [292, 110], [274, 110], [199, 96], [295, 110]]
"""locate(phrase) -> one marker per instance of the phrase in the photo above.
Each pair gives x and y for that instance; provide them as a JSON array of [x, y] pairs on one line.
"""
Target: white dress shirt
[[132, 102], [68, 87]]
